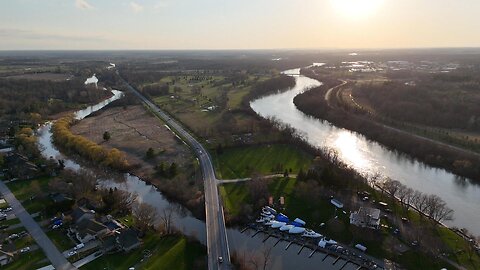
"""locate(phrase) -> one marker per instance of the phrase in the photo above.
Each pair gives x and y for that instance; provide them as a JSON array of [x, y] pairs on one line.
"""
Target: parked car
[[79, 246], [71, 253], [8, 209], [26, 249]]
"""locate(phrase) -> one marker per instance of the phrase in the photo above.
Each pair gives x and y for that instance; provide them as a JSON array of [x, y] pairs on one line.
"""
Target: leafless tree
[[262, 261], [391, 187], [167, 218], [144, 215], [258, 188], [437, 209], [83, 182], [124, 200]]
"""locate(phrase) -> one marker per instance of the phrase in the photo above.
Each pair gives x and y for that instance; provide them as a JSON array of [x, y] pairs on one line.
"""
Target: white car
[[8, 209], [71, 253], [26, 249]]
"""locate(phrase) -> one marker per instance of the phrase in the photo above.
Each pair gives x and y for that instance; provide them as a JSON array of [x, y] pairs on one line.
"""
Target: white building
[[366, 217]]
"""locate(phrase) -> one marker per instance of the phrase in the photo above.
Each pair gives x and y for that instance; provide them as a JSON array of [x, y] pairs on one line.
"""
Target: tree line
[[20, 99], [90, 150]]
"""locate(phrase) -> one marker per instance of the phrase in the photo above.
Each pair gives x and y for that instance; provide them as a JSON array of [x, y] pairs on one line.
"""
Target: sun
[[356, 8]]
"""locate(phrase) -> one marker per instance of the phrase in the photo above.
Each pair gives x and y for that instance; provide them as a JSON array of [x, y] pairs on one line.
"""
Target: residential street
[[53, 254]]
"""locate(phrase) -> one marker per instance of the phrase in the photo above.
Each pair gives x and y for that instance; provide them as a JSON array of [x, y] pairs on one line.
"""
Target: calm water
[[183, 219], [367, 157]]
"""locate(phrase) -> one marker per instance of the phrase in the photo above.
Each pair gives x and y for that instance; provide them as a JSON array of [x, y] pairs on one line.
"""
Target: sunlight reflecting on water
[[347, 145]]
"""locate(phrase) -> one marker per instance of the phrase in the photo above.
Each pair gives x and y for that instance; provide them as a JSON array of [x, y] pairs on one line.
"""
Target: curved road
[[217, 242]]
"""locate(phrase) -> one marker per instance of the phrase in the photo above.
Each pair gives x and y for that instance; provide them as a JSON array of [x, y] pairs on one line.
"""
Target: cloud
[[161, 4], [136, 7], [83, 4]]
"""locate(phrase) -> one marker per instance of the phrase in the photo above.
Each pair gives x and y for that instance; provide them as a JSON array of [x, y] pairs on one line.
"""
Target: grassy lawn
[[10, 222], [172, 252], [24, 189], [242, 162], [27, 261], [60, 239]]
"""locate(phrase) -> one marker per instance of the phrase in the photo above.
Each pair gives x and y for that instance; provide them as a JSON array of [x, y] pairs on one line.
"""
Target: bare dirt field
[[133, 130]]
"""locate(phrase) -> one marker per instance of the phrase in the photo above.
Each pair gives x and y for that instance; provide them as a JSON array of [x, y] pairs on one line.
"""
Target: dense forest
[[19, 99], [440, 100]]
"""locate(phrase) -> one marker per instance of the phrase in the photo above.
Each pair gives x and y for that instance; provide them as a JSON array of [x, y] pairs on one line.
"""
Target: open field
[[240, 162], [212, 106], [134, 131], [171, 252]]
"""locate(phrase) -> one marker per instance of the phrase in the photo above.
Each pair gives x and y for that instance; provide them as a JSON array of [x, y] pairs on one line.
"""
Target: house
[[123, 240], [109, 243], [80, 213], [59, 197], [88, 229], [366, 217], [128, 240]]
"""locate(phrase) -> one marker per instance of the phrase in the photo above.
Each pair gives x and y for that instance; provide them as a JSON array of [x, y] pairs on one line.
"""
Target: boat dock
[[311, 244]]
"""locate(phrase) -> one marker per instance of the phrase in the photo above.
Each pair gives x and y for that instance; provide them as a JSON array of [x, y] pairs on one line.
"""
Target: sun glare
[[356, 8]]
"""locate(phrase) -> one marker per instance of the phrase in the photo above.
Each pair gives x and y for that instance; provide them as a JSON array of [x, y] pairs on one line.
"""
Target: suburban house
[[366, 217], [80, 213], [128, 240], [88, 229], [124, 240]]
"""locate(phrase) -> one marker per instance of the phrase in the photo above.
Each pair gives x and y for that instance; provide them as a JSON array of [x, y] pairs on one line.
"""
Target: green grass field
[[28, 261], [172, 252], [240, 162], [60, 239]]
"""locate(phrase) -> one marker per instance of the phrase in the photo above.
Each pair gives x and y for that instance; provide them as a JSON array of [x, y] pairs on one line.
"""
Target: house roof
[[128, 238], [89, 226], [78, 212], [373, 213]]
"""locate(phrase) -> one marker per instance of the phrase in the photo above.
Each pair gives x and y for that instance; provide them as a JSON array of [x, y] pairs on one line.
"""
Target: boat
[[296, 230], [297, 220], [282, 218], [325, 241], [260, 220], [268, 222], [296, 224], [270, 209], [286, 227], [311, 234], [277, 224]]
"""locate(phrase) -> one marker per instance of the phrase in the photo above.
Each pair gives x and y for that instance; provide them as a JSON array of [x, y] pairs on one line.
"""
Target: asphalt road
[[217, 242], [53, 254]]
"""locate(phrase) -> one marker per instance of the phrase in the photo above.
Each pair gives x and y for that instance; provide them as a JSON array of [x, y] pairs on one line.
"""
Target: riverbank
[[434, 153]]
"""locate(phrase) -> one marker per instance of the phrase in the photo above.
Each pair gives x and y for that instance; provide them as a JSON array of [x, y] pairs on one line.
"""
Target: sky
[[237, 24]]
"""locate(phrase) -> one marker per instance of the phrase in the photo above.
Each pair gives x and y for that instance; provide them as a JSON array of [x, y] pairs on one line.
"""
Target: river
[[242, 243], [369, 157]]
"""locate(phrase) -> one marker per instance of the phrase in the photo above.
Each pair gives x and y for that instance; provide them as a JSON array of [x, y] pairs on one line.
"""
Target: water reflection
[[368, 157]]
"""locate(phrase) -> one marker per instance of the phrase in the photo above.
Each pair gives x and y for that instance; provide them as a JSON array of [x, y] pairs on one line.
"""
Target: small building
[[88, 229], [128, 240], [80, 213], [337, 203], [366, 217]]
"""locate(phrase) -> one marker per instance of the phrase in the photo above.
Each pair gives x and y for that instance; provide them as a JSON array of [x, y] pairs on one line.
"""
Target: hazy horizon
[[240, 25]]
